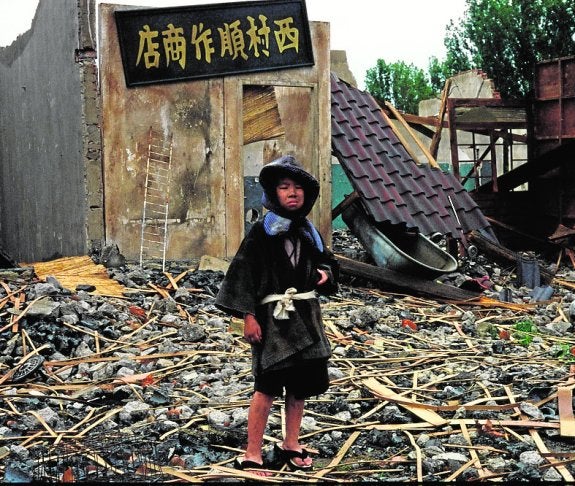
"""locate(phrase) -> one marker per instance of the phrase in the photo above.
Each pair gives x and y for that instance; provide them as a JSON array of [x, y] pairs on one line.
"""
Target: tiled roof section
[[393, 188]]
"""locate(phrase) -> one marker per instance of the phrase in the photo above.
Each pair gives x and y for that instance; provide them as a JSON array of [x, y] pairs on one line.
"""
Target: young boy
[[272, 283]]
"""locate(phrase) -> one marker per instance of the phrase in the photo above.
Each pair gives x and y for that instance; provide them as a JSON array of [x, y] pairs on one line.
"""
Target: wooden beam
[[492, 141], [414, 120], [561, 232], [433, 148], [534, 168], [498, 251], [400, 136], [453, 138], [405, 125], [341, 207], [409, 284], [543, 241]]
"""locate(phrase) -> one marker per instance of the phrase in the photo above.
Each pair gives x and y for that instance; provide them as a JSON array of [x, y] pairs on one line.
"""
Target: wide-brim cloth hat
[[287, 166]]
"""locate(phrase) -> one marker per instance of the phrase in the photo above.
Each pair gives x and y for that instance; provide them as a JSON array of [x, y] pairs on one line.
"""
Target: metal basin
[[413, 254]]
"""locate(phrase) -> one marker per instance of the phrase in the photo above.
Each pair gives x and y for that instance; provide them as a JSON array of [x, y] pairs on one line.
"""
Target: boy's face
[[290, 194]]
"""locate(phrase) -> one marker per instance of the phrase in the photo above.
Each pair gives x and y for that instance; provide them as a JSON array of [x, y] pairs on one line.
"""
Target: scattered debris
[[72, 272], [6, 261], [154, 384]]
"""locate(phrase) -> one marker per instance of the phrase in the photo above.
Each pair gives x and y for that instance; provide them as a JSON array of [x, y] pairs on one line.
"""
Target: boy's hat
[[287, 166]]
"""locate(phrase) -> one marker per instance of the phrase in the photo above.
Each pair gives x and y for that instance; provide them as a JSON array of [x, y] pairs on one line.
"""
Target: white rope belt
[[285, 301]]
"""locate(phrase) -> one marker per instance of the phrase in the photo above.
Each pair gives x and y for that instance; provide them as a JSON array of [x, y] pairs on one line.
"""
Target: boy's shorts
[[302, 381]]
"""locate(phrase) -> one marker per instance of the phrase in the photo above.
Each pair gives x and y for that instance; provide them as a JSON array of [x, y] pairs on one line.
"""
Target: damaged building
[[83, 177], [166, 169], [129, 372]]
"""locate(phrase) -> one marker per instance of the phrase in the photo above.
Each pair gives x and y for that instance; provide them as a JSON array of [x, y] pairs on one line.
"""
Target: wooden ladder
[[156, 198]]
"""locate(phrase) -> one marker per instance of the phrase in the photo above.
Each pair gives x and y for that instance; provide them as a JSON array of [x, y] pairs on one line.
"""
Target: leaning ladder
[[156, 198]]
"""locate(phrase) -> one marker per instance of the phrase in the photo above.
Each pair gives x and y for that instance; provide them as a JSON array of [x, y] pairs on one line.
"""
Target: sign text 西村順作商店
[[173, 44]]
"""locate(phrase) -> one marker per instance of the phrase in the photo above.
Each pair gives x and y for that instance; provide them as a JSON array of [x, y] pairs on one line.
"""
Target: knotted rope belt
[[285, 301]]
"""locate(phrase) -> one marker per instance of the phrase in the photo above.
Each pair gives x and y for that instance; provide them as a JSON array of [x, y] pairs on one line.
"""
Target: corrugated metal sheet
[[392, 187]]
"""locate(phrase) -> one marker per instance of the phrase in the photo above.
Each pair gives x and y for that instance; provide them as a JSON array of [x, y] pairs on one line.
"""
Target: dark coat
[[261, 267]]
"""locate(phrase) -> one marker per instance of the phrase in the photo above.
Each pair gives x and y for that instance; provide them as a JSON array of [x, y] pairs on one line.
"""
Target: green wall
[[340, 187]]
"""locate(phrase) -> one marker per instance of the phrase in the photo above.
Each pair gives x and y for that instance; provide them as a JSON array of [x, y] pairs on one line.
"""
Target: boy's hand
[[323, 277], [252, 329]]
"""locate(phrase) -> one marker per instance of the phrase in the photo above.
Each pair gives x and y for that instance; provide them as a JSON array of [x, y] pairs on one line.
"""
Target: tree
[[503, 38], [458, 58], [404, 86], [506, 38]]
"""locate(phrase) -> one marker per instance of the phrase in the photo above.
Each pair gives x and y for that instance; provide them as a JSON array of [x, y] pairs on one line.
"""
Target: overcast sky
[[394, 30]]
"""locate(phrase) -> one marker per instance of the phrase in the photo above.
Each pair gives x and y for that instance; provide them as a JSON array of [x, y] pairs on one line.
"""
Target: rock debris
[[153, 384]]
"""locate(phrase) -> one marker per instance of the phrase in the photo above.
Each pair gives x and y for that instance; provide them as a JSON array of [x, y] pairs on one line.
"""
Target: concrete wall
[[50, 185], [340, 66]]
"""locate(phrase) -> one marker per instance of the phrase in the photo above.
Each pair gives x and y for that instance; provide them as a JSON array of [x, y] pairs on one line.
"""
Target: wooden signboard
[[202, 41]]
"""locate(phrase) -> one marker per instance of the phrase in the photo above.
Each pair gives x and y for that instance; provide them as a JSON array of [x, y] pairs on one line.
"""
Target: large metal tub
[[410, 253]]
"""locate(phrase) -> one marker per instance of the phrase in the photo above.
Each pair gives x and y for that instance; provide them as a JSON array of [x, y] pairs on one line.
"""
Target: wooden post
[[493, 140], [399, 135], [453, 139], [434, 147], [404, 282]]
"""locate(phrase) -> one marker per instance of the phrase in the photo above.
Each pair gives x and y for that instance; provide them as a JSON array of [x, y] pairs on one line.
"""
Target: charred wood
[[404, 283], [502, 253]]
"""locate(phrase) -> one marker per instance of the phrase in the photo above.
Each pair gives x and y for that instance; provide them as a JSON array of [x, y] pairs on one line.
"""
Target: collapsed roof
[[392, 187]]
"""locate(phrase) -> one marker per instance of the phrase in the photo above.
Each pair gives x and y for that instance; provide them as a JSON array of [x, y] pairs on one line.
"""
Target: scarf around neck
[[275, 225]]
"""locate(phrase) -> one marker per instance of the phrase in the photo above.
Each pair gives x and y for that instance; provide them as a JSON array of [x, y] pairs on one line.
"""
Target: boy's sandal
[[288, 457], [246, 464]]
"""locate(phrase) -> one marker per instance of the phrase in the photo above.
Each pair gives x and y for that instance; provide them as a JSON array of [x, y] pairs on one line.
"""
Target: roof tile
[[392, 187]]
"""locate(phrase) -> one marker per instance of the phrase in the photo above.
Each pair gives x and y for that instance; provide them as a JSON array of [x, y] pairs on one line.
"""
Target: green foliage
[[506, 38], [438, 74], [503, 38], [524, 331], [564, 352], [404, 86]]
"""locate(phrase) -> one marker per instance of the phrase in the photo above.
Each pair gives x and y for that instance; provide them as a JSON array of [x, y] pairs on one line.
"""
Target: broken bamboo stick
[[414, 407]]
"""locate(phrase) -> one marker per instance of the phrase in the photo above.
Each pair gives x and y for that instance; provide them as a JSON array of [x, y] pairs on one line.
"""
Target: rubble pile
[[154, 384]]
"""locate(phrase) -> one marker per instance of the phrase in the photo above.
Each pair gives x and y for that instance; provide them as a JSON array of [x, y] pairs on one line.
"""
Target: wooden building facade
[[200, 144]]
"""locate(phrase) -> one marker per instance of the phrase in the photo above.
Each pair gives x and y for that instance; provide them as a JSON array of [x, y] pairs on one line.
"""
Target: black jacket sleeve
[[238, 292], [330, 265]]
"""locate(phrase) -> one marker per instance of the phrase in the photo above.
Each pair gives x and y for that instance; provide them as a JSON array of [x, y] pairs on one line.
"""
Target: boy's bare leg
[[257, 420], [294, 414]]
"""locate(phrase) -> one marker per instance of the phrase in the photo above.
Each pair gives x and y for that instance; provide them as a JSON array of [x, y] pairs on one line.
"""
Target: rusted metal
[[554, 103]]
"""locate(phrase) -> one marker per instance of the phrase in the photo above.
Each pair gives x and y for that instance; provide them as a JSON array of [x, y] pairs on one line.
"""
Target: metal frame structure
[[496, 119]]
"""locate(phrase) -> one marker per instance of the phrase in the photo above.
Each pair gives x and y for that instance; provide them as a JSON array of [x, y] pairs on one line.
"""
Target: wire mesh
[[102, 458]]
